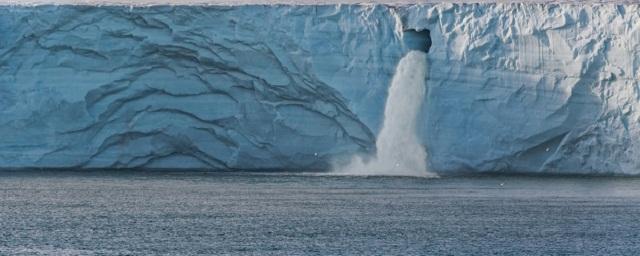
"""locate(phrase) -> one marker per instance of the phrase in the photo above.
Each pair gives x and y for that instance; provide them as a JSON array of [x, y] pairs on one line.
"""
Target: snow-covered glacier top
[[510, 87], [292, 2]]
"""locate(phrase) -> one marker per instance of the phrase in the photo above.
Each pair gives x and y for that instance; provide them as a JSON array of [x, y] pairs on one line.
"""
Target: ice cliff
[[511, 87]]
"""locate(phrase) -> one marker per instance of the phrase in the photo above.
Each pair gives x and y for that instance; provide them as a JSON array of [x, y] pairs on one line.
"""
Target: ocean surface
[[193, 213]]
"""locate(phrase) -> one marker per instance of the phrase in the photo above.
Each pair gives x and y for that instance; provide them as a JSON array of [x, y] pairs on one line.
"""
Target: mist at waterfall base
[[398, 149]]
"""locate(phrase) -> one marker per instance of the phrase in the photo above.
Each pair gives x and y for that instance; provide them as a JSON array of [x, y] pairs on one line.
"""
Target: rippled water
[[141, 213]]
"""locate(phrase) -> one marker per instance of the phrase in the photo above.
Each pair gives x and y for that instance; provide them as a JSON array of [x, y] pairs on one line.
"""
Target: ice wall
[[185, 87], [533, 88], [512, 87]]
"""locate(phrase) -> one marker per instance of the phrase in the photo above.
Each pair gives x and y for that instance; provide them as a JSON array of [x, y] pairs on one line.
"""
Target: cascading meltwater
[[399, 151]]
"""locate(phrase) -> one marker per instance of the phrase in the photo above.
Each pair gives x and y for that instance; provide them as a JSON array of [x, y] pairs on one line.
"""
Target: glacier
[[530, 88]]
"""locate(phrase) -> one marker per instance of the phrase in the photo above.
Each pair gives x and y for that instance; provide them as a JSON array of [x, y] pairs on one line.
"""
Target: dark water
[[115, 213]]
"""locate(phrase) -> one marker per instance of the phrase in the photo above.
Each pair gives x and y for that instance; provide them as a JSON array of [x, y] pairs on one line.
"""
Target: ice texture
[[511, 87], [291, 2]]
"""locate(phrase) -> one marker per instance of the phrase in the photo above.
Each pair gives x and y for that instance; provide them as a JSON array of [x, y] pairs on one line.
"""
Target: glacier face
[[533, 88], [511, 87], [183, 87]]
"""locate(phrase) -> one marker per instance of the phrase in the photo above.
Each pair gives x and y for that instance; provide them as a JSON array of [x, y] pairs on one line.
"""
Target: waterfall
[[399, 151]]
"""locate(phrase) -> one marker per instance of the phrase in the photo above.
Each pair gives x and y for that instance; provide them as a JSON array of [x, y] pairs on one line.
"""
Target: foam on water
[[399, 151]]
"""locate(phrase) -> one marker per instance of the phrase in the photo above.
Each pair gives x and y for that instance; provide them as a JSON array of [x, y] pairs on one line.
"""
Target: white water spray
[[399, 152]]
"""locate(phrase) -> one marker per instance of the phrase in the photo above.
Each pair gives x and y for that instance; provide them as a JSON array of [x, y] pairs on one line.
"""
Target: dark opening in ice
[[417, 39]]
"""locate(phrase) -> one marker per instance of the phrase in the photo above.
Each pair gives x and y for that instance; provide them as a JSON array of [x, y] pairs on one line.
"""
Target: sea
[[243, 213]]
